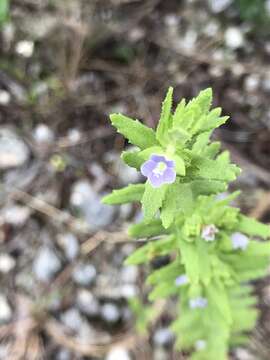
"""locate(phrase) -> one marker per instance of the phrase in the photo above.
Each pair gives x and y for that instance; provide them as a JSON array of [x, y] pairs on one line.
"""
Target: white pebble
[[4, 97], [25, 48], [234, 38], [110, 312], [7, 263], [118, 353], [5, 310], [43, 134]]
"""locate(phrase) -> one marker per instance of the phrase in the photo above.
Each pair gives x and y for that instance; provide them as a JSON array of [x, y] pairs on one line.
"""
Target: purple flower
[[209, 232], [159, 170], [239, 241], [181, 280], [200, 345], [198, 302]]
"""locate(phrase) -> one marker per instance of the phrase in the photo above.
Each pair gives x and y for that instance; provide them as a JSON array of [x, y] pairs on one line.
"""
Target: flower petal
[[170, 163], [158, 158], [239, 241], [169, 176], [148, 167], [156, 180]]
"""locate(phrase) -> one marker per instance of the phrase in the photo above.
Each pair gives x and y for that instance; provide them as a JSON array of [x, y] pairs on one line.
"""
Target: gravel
[[5, 310], [46, 264], [13, 150], [84, 274]]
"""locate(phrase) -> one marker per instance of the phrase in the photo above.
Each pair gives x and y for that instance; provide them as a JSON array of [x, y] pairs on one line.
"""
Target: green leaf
[[4, 9], [179, 164], [207, 187], [218, 298], [166, 273], [178, 197], [190, 259], [149, 229], [165, 121], [152, 200], [133, 192], [132, 159], [204, 261], [162, 290], [253, 227], [151, 250], [213, 169], [137, 133]]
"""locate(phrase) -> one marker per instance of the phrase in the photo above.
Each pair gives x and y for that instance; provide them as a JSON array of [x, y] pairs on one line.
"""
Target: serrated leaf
[[132, 192], [137, 133], [152, 200], [213, 169], [132, 159], [217, 297], [178, 197], [165, 121], [190, 259], [253, 227], [149, 229], [166, 273], [204, 261], [162, 291], [207, 187], [200, 143], [151, 250], [180, 166]]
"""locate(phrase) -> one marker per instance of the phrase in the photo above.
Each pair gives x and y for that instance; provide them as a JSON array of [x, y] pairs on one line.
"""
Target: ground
[[64, 66]]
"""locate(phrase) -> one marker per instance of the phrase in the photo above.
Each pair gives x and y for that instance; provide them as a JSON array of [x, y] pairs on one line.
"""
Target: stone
[[25, 48], [13, 150], [218, 6], [252, 82], [63, 354], [43, 134], [118, 353], [74, 136], [7, 263], [84, 274], [5, 310], [129, 274], [110, 313], [87, 303], [88, 203], [234, 38], [266, 82], [72, 319], [160, 354], [244, 354], [163, 337], [46, 264], [70, 244], [5, 97], [15, 215]]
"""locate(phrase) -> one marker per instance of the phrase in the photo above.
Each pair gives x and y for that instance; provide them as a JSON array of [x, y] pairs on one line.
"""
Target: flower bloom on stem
[[239, 241], [209, 232], [159, 170], [200, 345], [198, 302], [181, 280]]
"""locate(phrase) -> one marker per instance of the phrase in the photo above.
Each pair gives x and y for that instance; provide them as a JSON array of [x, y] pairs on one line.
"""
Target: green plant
[[255, 12], [214, 250], [4, 10]]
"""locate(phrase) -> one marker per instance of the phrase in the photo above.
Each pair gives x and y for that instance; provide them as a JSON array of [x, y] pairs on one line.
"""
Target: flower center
[[160, 168]]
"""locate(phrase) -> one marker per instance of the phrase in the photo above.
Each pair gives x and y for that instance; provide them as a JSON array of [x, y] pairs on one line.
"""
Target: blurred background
[[64, 66]]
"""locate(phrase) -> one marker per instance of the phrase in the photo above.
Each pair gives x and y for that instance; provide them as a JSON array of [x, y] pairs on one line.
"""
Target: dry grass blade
[[58, 333]]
